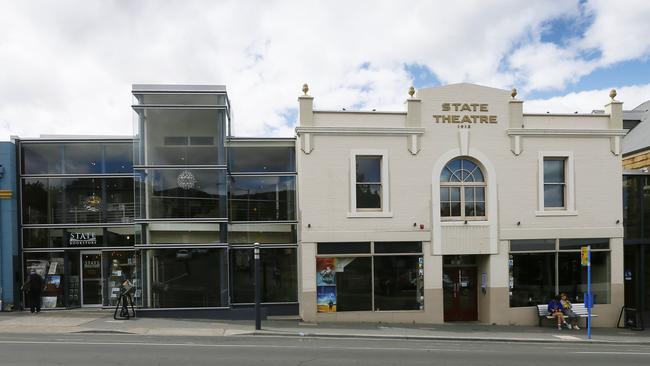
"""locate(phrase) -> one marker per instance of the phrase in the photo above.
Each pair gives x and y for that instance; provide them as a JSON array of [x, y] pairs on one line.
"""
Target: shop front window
[[50, 266], [278, 267], [49, 158], [118, 267], [344, 282], [541, 269], [187, 278]]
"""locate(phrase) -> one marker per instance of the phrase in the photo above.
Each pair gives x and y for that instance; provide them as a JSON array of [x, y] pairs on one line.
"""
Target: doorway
[[460, 289], [91, 278]]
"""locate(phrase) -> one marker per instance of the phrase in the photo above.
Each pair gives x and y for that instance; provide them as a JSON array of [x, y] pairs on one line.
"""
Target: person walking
[[33, 288]]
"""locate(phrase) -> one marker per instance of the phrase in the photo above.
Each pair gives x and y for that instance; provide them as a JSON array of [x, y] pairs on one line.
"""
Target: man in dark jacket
[[33, 287]]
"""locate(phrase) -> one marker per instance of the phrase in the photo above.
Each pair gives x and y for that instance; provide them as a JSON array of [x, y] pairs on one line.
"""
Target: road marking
[[612, 353], [567, 337], [246, 346]]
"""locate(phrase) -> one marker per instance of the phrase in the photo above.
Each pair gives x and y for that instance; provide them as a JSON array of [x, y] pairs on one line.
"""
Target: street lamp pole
[[258, 288]]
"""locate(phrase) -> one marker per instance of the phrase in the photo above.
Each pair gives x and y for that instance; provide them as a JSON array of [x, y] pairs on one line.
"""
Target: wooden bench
[[579, 309]]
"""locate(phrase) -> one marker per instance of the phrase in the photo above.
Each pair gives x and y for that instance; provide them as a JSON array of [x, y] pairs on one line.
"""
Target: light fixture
[[518, 223], [186, 180]]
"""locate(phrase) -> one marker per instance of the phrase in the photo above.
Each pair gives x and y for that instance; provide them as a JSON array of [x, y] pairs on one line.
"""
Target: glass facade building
[[176, 209]]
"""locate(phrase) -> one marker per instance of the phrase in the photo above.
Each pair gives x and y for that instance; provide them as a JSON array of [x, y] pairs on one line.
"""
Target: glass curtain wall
[[262, 209], [181, 194], [75, 196]]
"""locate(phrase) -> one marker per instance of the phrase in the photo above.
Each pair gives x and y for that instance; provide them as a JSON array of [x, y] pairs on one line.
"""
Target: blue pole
[[589, 298]]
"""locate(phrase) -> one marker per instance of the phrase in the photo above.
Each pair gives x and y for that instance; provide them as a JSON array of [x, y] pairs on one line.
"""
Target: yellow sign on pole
[[584, 256]]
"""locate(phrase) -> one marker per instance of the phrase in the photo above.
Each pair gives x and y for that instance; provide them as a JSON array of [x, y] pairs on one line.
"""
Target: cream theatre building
[[460, 207]]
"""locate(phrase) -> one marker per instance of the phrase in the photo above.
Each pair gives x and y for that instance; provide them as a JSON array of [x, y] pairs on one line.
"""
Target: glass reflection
[[262, 198]]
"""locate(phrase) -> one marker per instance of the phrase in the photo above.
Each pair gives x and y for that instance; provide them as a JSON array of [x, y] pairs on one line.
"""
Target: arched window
[[462, 190]]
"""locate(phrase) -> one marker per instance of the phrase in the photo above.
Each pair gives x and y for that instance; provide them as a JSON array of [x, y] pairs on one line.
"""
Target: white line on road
[[147, 344], [611, 353]]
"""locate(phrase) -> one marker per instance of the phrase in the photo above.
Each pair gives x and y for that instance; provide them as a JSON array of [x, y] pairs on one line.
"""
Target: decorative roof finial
[[411, 91], [612, 94], [513, 93], [305, 88]]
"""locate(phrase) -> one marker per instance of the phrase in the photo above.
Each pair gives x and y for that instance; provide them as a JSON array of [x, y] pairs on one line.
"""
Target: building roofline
[[177, 88]]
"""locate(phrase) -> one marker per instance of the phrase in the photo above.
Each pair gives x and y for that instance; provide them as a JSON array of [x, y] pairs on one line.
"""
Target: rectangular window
[[262, 198], [554, 182], [262, 159], [273, 233], [368, 181], [278, 267], [553, 266], [350, 278]]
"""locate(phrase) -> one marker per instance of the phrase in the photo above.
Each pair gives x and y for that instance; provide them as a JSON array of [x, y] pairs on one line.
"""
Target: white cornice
[[389, 131], [540, 132]]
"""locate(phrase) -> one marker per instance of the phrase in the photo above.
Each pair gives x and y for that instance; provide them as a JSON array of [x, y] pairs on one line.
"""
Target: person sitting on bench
[[555, 309], [567, 309]]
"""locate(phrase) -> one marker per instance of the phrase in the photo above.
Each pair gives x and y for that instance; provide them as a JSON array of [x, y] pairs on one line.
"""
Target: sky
[[67, 67]]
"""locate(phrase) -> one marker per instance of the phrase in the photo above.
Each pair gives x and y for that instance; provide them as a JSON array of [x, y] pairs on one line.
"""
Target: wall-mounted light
[[415, 224], [618, 221], [518, 223], [308, 225]]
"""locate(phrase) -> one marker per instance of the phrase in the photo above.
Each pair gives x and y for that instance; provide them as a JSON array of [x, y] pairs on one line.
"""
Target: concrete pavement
[[101, 322]]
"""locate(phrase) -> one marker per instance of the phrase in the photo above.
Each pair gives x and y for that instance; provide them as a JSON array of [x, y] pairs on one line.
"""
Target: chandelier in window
[[186, 180]]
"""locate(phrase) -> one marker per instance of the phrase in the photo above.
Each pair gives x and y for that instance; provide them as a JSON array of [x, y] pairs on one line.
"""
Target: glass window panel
[[553, 195], [50, 266], [445, 176], [532, 278], [343, 284], [399, 285], [262, 159], [469, 194], [455, 193], [469, 209], [42, 238], [468, 165], [568, 244], [181, 99], [262, 233], [455, 209], [164, 127], [190, 193], [398, 247], [262, 198], [445, 209], [181, 278], [369, 196], [454, 165], [480, 209], [38, 196], [279, 272], [343, 248], [41, 158], [368, 169], [533, 244], [194, 234], [82, 158], [573, 277], [118, 157], [633, 206], [478, 175], [119, 200], [119, 266], [120, 236], [554, 170], [480, 193]]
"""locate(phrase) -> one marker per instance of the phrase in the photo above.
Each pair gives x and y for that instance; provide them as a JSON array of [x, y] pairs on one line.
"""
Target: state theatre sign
[[467, 113]]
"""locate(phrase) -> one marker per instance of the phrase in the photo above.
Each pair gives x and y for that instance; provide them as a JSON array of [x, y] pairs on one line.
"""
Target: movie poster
[[326, 299], [325, 271]]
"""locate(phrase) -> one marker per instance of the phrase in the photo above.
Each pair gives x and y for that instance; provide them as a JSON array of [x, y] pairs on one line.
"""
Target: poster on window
[[326, 299], [325, 271]]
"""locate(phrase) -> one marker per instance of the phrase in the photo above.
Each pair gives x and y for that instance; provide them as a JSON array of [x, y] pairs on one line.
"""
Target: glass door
[[91, 278]]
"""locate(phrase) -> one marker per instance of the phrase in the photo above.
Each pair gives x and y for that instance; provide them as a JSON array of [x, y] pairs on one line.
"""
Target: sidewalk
[[98, 321]]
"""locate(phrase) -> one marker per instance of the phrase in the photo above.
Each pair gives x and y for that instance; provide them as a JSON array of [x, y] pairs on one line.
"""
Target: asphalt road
[[111, 349]]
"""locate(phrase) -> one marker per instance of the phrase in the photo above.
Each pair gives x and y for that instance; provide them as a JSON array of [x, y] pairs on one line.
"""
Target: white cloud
[[589, 100], [67, 66]]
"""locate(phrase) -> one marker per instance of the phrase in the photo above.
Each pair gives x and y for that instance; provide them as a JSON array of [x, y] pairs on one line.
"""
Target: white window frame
[[569, 208], [462, 186], [384, 211]]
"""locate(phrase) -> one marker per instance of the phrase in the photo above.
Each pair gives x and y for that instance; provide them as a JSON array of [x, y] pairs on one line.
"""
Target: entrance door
[[460, 298], [91, 278]]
